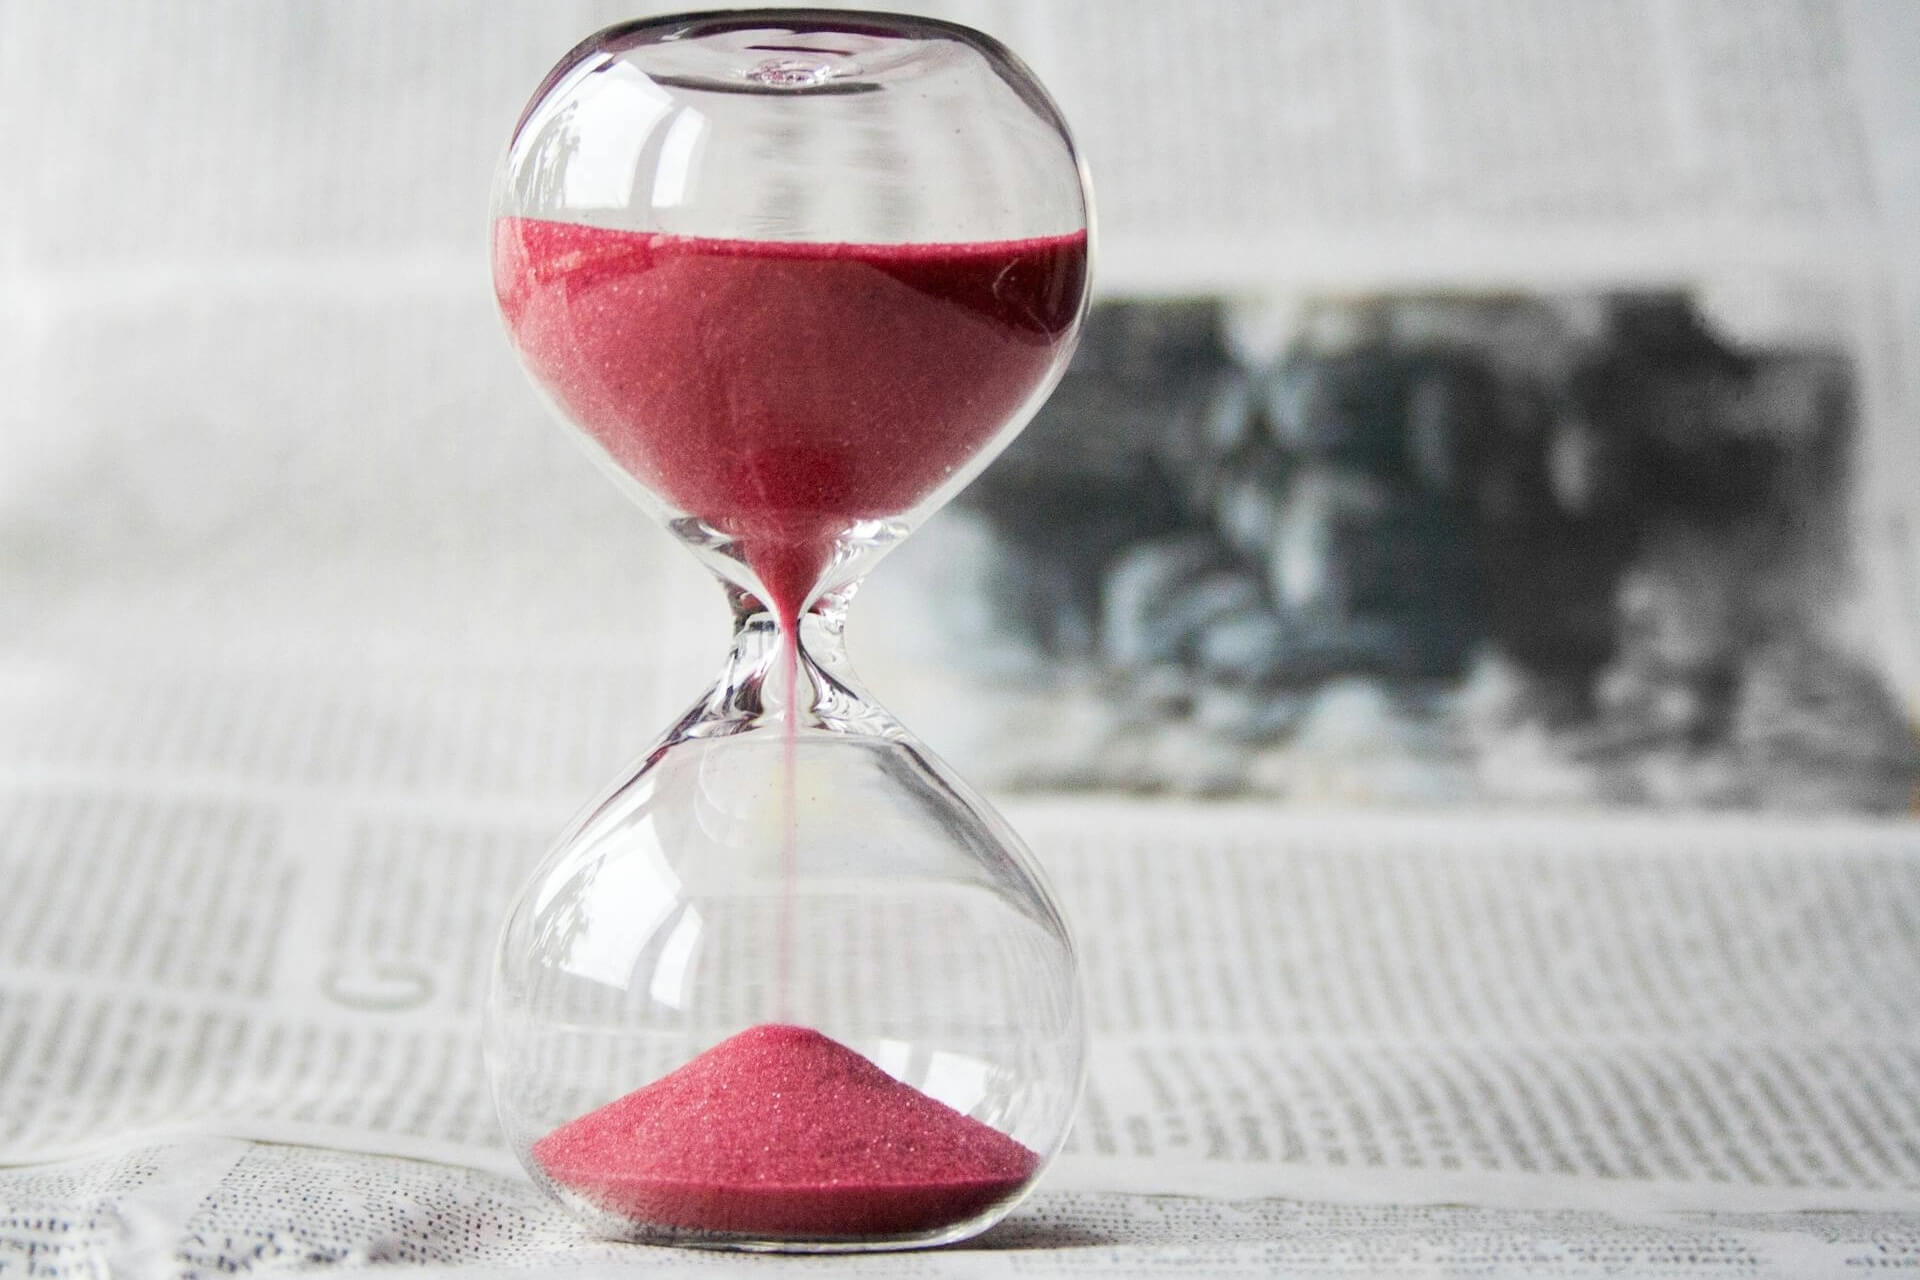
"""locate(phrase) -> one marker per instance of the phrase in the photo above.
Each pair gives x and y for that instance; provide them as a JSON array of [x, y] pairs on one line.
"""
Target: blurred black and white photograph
[[1586, 549]]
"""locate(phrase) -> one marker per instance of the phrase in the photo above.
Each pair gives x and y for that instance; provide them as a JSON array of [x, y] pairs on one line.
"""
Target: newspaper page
[[1406, 1009], [1640, 1032], [254, 855]]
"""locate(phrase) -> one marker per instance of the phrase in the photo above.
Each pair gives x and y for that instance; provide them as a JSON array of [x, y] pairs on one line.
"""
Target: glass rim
[[623, 36]]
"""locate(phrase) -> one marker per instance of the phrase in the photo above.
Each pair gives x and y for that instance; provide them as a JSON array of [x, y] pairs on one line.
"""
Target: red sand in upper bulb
[[782, 391], [782, 1132]]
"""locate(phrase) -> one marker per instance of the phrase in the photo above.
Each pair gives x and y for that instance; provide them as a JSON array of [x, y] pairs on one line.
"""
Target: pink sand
[[782, 1132]]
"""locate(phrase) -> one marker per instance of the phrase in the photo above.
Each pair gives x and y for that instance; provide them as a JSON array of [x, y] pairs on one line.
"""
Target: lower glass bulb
[[790, 985]]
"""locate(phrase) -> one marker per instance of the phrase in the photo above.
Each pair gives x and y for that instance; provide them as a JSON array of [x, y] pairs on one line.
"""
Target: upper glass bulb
[[688, 198]]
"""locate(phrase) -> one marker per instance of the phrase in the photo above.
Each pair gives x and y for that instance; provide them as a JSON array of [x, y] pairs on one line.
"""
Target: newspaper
[[1547, 1018], [275, 752], [1504, 1011]]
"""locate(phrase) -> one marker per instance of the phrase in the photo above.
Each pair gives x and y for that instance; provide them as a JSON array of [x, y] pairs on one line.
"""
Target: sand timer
[[797, 276]]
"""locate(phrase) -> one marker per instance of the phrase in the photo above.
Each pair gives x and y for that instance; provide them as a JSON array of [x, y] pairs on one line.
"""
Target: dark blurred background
[[1569, 548]]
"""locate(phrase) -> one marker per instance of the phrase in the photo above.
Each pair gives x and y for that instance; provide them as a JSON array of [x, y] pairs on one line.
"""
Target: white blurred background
[[259, 422]]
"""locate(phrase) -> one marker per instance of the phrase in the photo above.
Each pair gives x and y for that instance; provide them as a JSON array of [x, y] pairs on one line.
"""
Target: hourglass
[[797, 277]]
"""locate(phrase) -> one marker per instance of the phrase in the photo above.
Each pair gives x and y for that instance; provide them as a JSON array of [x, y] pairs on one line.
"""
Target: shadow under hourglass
[[1015, 1233]]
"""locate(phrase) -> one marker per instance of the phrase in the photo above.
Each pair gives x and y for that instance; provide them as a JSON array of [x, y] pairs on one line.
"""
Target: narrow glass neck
[[809, 684]]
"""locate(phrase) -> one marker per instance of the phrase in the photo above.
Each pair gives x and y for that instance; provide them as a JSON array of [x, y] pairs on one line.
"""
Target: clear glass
[[795, 276]]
